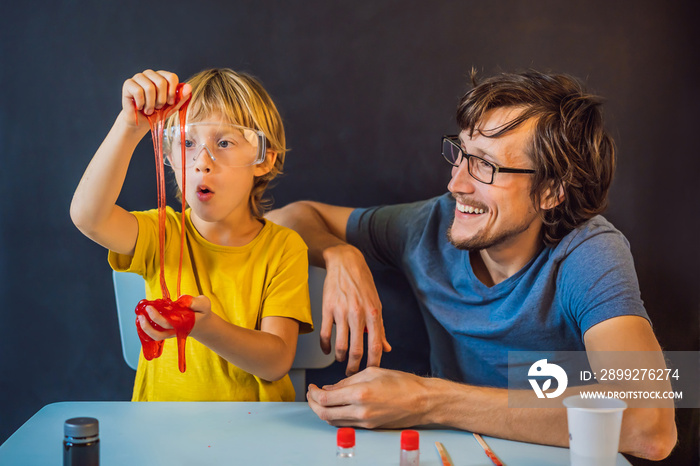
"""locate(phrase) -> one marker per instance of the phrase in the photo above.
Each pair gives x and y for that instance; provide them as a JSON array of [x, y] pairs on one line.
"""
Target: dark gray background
[[366, 88]]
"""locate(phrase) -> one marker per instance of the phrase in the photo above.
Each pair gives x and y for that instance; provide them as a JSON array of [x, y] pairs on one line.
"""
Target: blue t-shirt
[[548, 305]]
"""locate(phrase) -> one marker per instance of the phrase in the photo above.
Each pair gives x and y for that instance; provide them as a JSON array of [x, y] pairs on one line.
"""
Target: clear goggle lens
[[229, 145]]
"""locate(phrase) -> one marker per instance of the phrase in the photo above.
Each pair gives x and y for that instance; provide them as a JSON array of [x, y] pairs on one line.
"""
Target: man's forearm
[[316, 232], [646, 432], [485, 410]]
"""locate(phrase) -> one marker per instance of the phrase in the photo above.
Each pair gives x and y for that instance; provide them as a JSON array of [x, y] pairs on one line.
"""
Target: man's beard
[[483, 241]]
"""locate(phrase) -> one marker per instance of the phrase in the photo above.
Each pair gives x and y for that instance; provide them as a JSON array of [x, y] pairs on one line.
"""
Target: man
[[515, 258]]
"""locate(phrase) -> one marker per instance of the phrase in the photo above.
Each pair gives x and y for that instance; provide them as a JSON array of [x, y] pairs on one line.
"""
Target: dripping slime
[[177, 313]]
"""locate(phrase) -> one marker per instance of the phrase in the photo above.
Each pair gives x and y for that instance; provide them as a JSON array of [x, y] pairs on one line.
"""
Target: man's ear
[[552, 197], [269, 162]]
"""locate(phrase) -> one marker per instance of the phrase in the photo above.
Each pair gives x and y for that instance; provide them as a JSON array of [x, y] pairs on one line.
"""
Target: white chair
[[129, 289]]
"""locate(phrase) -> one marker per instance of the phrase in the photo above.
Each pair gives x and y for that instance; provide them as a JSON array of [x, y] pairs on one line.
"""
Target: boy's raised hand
[[150, 91]]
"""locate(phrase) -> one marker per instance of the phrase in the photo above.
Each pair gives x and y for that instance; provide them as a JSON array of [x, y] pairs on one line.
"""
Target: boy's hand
[[154, 315], [150, 91], [202, 311]]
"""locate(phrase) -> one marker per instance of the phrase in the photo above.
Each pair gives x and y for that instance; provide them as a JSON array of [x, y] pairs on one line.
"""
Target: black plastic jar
[[81, 444]]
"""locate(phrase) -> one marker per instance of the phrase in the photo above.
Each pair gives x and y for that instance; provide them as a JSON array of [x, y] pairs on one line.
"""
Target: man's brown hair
[[573, 154]]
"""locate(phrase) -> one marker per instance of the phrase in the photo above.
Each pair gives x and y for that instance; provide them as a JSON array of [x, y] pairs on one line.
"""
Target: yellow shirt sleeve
[[287, 294]]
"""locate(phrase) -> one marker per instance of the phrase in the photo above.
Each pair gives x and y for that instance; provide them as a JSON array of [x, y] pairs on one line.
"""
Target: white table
[[242, 434]]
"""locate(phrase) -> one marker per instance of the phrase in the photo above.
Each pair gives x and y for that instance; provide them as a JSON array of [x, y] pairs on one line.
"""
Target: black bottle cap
[[80, 427]]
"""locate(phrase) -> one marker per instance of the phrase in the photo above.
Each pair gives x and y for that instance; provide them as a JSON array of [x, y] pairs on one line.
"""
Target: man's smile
[[469, 209]]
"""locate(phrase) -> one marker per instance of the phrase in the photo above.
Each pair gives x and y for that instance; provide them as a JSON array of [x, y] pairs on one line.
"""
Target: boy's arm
[[267, 353], [350, 299], [93, 209]]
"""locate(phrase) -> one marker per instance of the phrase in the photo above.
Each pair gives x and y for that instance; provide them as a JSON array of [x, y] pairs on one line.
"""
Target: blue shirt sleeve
[[383, 232], [598, 279], [375, 234]]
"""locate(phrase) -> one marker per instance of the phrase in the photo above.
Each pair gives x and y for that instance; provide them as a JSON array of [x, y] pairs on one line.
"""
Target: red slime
[[177, 313]]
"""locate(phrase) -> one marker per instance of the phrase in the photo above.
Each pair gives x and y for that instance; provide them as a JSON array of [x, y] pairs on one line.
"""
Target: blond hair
[[243, 101]]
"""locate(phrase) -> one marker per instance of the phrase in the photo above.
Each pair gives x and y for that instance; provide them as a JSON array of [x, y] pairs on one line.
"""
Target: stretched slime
[[177, 313]]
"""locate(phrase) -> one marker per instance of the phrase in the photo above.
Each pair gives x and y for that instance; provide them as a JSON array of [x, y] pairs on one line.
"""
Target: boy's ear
[[552, 197], [269, 162]]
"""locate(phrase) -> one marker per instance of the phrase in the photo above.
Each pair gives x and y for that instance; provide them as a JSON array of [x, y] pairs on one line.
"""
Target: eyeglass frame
[[465, 156], [262, 144]]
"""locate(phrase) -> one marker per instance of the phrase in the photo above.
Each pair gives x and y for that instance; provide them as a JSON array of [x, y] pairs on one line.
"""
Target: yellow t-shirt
[[267, 277]]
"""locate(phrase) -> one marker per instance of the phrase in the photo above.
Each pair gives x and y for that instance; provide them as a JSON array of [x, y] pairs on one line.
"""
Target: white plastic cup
[[594, 430]]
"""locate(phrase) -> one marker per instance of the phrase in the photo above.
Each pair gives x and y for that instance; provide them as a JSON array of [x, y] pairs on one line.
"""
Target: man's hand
[[351, 302], [350, 299], [373, 398]]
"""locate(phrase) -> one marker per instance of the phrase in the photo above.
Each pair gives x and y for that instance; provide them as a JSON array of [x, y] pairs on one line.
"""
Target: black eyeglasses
[[480, 169]]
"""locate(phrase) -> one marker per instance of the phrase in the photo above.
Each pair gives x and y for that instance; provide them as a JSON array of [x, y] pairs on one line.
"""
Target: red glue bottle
[[410, 448], [346, 444]]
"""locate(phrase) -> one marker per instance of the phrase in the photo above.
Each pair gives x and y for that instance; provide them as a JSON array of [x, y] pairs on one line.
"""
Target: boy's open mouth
[[204, 193]]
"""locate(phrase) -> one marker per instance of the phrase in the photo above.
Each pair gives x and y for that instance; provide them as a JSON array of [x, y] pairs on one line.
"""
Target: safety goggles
[[225, 144]]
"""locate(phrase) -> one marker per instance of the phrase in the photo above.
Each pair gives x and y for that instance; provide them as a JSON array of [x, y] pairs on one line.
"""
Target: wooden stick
[[488, 450], [444, 456]]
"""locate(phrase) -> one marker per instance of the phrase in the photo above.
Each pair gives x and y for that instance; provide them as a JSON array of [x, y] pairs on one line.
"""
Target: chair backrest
[[129, 289]]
